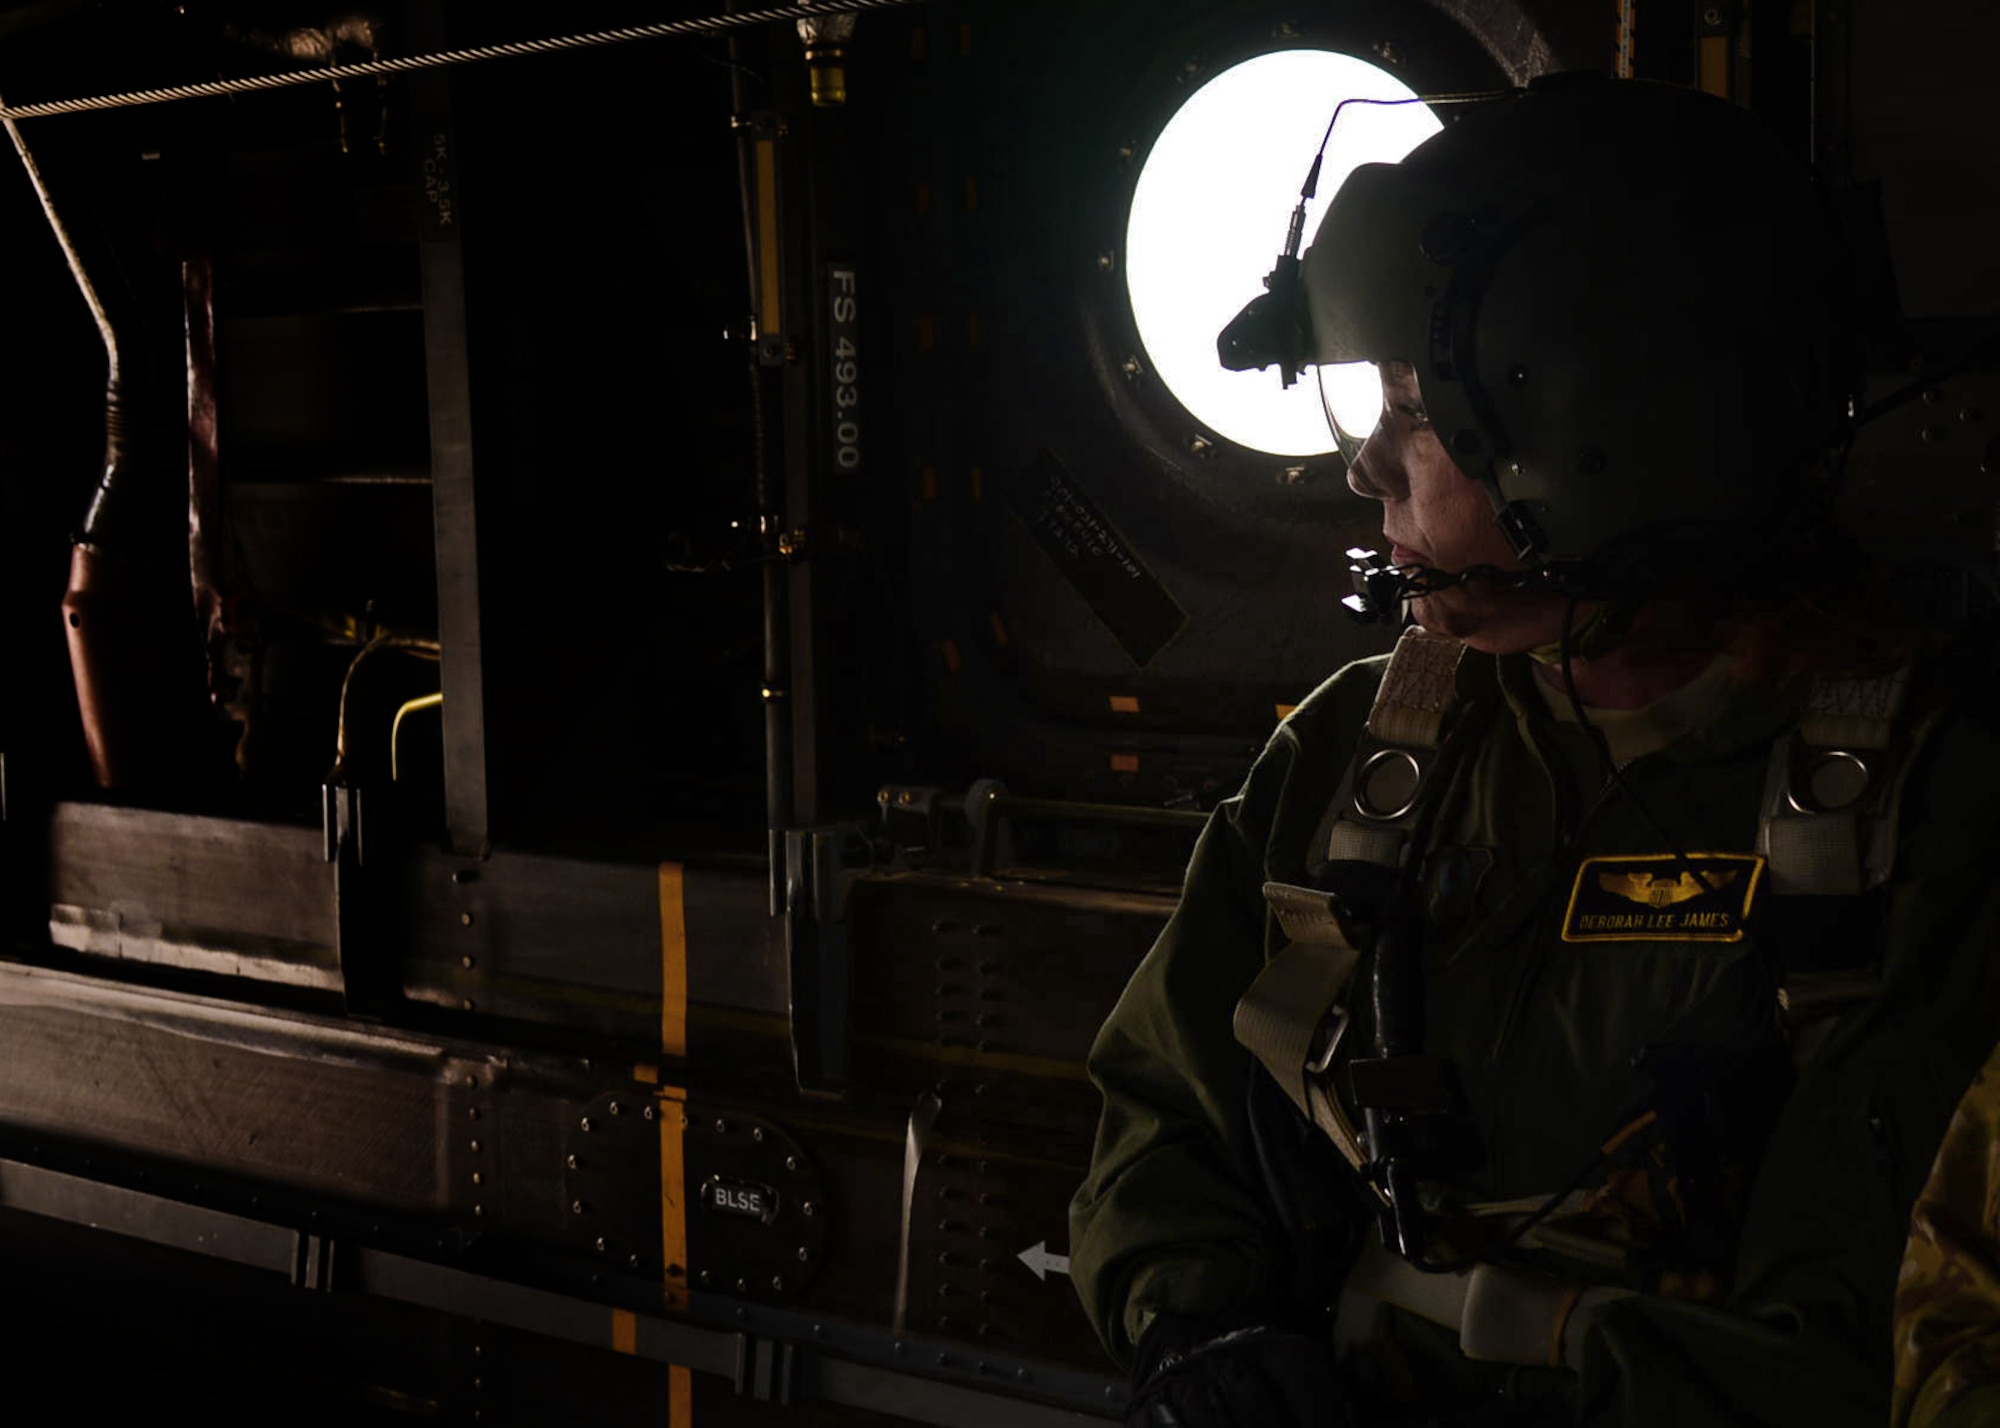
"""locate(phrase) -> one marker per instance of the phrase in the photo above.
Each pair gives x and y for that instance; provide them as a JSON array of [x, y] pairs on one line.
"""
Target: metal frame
[[453, 488], [771, 1355]]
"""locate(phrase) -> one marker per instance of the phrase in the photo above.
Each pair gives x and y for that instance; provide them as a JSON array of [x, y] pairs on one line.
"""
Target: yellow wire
[[414, 645], [428, 701]]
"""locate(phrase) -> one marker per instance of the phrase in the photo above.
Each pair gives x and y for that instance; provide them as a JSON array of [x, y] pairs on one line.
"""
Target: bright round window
[[1208, 217]]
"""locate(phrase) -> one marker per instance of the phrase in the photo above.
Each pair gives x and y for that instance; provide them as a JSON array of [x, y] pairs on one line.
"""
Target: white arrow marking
[[1038, 1258]]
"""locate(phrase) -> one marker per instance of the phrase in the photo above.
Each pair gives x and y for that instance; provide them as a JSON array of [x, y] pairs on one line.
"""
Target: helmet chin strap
[[1516, 520]]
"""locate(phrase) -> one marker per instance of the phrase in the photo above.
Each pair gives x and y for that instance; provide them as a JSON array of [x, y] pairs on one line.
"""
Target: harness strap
[[1833, 787], [1854, 713], [1292, 1020], [1382, 795], [1307, 914], [1418, 689], [1502, 1315]]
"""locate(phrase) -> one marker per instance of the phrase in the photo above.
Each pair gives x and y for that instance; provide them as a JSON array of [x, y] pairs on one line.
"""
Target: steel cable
[[665, 29]]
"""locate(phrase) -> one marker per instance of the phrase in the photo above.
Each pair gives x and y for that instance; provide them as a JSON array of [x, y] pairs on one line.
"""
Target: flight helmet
[[1622, 303]]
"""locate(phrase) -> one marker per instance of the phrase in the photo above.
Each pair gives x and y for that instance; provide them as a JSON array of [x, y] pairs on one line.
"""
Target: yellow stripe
[[673, 963], [624, 1331], [1715, 65], [672, 1099], [673, 1196], [767, 236], [680, 1398]]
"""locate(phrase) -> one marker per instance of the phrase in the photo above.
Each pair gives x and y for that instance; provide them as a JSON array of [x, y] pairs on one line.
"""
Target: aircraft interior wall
[[657, 651]]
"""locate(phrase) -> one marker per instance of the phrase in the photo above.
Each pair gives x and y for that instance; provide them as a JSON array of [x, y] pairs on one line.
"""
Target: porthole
[[1208, 215]]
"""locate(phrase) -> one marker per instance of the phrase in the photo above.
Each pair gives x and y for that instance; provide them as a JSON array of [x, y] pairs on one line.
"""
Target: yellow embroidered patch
[[1658, 898]]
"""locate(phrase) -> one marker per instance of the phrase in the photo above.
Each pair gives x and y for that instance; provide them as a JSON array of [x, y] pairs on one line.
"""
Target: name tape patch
[[1658, 898]]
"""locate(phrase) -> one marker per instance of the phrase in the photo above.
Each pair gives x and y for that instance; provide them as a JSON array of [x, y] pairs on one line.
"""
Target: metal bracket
[[766, 1369], [991, 846], [821, 866], [313, 1262], [369, 972]]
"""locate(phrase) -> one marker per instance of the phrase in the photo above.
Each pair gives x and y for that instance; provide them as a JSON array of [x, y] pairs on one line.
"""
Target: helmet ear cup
[[1627, 390]]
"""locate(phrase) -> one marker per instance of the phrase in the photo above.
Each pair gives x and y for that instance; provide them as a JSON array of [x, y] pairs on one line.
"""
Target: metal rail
[[404, 64], [777, 1356]]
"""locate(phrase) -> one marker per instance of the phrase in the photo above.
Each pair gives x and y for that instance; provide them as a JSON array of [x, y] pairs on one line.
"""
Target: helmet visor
[[1350, 396]]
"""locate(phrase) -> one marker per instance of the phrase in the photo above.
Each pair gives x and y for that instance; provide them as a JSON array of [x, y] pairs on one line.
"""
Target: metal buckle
[[1326, 1040]]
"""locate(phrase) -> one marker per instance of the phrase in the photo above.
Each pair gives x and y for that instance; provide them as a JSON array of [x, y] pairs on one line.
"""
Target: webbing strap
[[1383, 793], [1306, 914], [1348, 842], [1292, 1012], [1841, 847], [1854, 713], [1814, 853], [1281, 1013], [1418, 689], [1502, 1315]]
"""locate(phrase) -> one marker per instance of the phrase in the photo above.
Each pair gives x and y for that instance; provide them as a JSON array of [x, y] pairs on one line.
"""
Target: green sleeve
[[1171, 1217]]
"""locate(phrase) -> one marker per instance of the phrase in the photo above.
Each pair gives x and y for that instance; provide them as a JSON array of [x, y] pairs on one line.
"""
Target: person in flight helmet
[[1560, 1024]]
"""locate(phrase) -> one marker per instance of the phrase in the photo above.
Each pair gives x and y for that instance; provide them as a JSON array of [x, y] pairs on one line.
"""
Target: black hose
[[106, 521]]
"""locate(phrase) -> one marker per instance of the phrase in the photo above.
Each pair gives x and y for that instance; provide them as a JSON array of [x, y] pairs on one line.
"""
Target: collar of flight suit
[[1717, 715]]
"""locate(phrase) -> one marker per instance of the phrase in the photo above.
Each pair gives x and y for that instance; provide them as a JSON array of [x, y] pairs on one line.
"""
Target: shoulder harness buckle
[[1828, 826], [1384, 792]]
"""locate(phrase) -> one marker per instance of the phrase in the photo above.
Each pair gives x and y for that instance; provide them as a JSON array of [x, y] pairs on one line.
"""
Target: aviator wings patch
[[1651, 890], [1658, 898]]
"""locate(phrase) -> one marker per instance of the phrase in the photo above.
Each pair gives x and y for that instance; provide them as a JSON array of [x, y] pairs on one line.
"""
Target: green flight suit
[[1543, 1033]]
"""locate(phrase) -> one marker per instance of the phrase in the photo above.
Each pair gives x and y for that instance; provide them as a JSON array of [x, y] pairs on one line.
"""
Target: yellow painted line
[[624, 1331], [1285, 710], [673, 963], [768, 316], [680, 1398], [646, 1073], [1125, 763], [1124, 704], [673, 1196], [672, 1099], [1715, 65], [998, 626], [1628, 20]]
